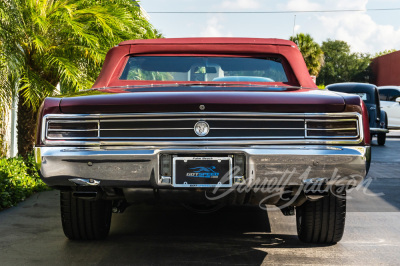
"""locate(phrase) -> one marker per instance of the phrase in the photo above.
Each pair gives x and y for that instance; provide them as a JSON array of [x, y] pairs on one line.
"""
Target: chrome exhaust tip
[[315, 188], [86, 195], [84, 182]]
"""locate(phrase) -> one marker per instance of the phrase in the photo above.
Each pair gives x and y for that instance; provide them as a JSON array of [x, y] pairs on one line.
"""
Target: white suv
[[390, 103]]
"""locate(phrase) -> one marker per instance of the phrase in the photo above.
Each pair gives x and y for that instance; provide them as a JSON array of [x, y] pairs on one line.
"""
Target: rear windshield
[[364, 96], [191, 68]]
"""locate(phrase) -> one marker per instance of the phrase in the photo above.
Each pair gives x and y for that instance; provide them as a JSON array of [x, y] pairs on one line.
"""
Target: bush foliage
[[18, 180]]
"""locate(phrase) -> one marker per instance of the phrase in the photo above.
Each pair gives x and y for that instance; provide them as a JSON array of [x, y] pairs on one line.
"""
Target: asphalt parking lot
[[31, 232]]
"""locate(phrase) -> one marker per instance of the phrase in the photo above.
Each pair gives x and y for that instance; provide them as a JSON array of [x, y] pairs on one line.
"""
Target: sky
[[365, 32]]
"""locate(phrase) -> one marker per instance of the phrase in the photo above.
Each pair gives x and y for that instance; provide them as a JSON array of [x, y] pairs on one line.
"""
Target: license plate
[[202, 171]]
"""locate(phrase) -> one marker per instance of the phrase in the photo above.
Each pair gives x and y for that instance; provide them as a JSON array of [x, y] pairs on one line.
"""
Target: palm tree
[[311, 51], [48, 42]]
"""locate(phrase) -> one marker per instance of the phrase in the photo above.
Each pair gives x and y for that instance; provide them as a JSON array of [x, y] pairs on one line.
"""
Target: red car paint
[[112, 95], [239, 47]]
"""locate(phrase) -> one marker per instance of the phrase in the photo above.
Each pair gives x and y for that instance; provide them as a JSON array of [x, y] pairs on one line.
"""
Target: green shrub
[[18, 180], [321, 87]]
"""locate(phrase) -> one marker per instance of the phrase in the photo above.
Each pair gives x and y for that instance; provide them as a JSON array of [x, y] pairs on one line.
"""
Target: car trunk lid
[[211, 99]]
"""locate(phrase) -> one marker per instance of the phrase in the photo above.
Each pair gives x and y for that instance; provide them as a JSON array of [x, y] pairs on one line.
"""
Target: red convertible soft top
[[117, 57], [210, 40]]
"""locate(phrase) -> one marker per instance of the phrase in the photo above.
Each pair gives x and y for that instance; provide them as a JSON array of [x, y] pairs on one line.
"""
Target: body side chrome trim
[[199, 142], [202, 114], [190, 128]]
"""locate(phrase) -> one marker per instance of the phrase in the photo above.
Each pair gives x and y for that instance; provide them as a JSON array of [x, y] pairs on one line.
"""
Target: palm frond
[[46, 42], [34, 88]]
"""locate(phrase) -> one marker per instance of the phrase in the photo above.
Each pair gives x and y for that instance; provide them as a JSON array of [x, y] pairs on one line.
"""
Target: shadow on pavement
[[379, 192], [174, 235]]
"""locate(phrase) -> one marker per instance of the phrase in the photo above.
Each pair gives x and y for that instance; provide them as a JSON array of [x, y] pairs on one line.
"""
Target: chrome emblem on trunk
[[201, 128]]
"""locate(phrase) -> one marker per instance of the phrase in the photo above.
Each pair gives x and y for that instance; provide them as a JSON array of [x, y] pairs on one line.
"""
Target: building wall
[[386, 69]]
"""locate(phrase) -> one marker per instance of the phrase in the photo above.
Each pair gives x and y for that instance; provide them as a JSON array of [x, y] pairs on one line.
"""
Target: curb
[[393, 136], [394, 133]]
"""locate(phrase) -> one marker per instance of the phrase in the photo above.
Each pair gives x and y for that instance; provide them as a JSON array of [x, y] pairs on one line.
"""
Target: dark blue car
[[378, 120]]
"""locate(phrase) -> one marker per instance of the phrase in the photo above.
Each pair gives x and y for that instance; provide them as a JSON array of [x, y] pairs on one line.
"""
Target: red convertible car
[[204, 122]]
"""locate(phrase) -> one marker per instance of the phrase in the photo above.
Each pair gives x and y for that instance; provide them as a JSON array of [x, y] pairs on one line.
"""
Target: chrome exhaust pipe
[[315, 188], [86, 195], [84, 182]]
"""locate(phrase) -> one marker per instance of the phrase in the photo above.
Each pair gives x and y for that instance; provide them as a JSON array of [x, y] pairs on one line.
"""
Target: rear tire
[[84, 219], [322, 221], [381, 138]]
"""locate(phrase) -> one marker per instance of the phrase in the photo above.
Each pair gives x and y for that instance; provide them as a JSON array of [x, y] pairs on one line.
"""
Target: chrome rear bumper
[[139, 167], [378, 130]]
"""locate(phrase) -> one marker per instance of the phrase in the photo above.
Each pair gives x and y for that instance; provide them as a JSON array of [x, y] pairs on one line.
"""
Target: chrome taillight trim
[[332, 129], [153, 141], [47, 122]]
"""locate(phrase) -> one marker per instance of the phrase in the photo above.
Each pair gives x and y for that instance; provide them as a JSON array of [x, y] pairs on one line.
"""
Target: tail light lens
[[367, 135]]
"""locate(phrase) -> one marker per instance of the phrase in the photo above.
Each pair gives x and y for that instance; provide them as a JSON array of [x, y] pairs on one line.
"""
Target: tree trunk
[[27, 119]]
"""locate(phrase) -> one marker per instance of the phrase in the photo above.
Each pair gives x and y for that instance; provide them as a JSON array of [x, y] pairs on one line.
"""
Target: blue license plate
[[202, 171]]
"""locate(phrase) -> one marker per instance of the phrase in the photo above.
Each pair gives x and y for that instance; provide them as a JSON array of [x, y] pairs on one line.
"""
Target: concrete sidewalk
[[31, 232], [393, 133]]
